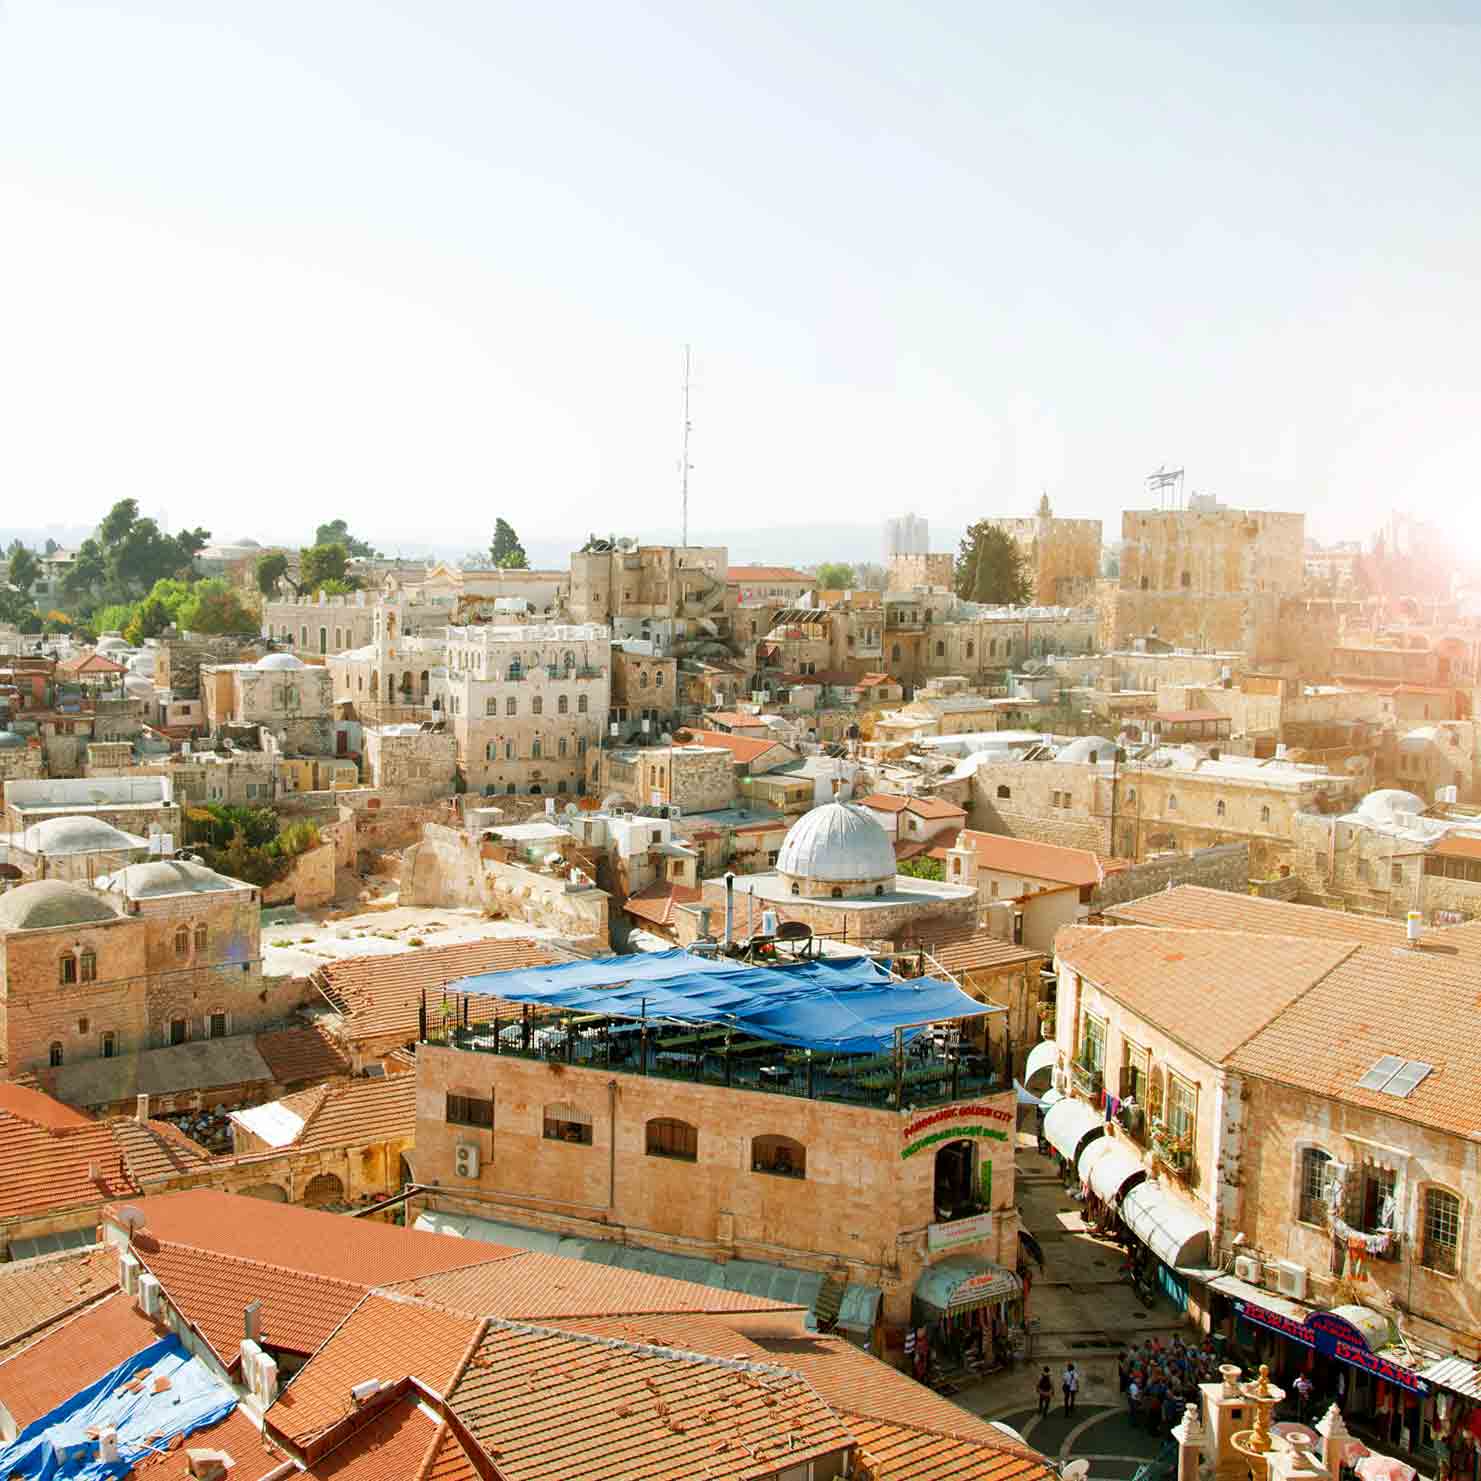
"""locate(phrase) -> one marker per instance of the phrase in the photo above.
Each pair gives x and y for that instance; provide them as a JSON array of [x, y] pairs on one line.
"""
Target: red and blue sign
[[1333, 1337]]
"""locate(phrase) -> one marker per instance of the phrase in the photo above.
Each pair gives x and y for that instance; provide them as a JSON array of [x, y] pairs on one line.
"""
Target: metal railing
[[1086, 1078]]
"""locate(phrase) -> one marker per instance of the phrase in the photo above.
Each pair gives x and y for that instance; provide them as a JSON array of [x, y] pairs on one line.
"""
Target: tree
[[25, 570], [835, 576], [323, 563], [990, 569], [88, 571], [337, 532], [213, 607], [52, 547], [16, 608], [272, 572], [922, 867], [506, 552]]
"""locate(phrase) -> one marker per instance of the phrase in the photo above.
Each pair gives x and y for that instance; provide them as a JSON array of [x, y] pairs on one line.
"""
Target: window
[[466, 1109], [1134, 1074], [1379, 1207], [218, 1024], [668, 1138], [535, 749], [971, 648], [1182, 1107], [490, 751], [1316, 1180], [1131, 794], [88, 962], [511, 706], [1441, 1230], [109, 1041], [1093, 1046], [67, 970], [179, 1031], [1219, 808], [567, 1123], [1396, 874], [895, 653], [1004, 793], [1186, 580], [82, 1025], [55, 1055], [796, 889], [537, 706], [836, 893], [580, 704], [1264, 814], [778, 1155], [563, 705], [182, 941], [509, 750], [200, 936], [491, 707], [940, 650], [1172, 804]]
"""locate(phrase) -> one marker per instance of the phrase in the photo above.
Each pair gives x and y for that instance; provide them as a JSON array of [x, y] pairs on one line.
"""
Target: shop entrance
[[955, 1189]]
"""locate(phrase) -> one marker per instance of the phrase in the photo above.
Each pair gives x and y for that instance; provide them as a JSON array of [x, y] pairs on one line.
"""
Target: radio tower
[[684, 461]]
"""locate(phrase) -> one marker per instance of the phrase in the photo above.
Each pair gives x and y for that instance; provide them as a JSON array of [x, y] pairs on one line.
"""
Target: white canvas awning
[[1067, 1125], [1040, 1059], [1175, 1233], [1109, 1166]]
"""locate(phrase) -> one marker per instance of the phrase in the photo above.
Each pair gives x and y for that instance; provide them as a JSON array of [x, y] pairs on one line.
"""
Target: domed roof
[[167, 877], [50, 902], [837, 842], [1389, 804], [138, 684], [10, 741], [278, 661], [75, 836], [1078, 751]]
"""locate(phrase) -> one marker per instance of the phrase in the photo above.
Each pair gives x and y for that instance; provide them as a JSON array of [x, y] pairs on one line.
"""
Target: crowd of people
[[1159, 1378]]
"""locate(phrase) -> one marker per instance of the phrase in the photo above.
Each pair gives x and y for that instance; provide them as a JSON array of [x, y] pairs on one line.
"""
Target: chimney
[[141, 1109], [252, 1321]]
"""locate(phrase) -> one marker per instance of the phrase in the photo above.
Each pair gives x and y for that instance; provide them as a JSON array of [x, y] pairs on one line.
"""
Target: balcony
[[1086, 1079]]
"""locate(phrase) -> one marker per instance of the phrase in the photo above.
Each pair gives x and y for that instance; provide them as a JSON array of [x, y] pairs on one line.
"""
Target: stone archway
[[268, 1192], [322, 1188]]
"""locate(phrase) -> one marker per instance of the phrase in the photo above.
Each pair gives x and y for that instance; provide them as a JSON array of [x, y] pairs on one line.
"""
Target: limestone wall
[[1224, 867]]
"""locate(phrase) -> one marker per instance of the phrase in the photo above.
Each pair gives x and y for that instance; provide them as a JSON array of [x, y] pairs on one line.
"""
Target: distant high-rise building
[[906, 534]]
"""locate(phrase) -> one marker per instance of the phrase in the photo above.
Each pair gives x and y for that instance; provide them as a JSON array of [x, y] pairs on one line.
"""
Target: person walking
[[1302, 1386], [1046, 1392], [1070, 1384], [1133, 1399]]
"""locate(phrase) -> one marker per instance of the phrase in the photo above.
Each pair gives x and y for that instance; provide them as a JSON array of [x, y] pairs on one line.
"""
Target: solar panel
[[1382, 1072], [1404, 1082]]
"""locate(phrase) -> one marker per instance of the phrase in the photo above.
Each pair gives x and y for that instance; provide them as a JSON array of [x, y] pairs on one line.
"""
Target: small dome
[[167, 877], [138, 684], [10, 741], [1388, 805], [51, 902], [279, 661], [75, 836], [1078, 751], [837, 842]]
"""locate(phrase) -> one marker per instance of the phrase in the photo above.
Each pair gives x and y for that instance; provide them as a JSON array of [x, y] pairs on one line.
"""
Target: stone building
[[907, 572], [289, 699], [177, 661], [137, 803], [694, 777], [1061, 556], [411, 763], [677, 597], [525, 704], [645, 691], [19, 758], [769, 583], [76, 848]]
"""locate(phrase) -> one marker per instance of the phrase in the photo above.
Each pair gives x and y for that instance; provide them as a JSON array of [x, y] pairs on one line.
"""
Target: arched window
[[1005, 793], [1219, 808], [375, 684], [182, 941], [1316, 1178], [879, 889], [1185, 581], [561, 746], [535, 749], [510, 789], [971, 648], [1172, 803], [670, 1138], [1264, 814], [537, 706], [1441, 1230], [509, 750], [580, 704], [796, 888], [55, 1055], [179, 1030], [569, 660], [323, 1188], [515, 670], [940, 650], [563, 705], [1144, 583], [567, 1123], [836, 893], [643, 679], [511, 706], [200, 936], [425, 681], [67, 969], [490, 750], [778, 1155]]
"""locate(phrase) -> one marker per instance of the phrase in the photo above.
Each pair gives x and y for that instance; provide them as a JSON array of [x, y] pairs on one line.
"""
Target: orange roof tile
[[1194, 907], [157, 1150], [873, 681], [1209, 990], [744, 749], [362, 1251], [386, 1337], [898, 1452], [1022, 856], [34, 1294], [39, 1109], [357, 1113], [394, 1444], [656, 901], [449, 1461], [768, 573], [42, 1170], [1457, 846], [237, 1434], [379, 996], [549, 1405], [298, 1054], [73, 1354], [975, 950]]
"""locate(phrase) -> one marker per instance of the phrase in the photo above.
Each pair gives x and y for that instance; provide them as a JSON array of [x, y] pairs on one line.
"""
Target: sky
[[422, 264]]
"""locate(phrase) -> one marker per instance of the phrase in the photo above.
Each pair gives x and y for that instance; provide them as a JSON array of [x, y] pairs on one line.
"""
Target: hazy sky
[[421, 263]]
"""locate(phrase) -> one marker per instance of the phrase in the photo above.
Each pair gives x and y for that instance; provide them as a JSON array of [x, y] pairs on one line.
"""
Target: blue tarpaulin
[[56, 1447], [839, 1007]]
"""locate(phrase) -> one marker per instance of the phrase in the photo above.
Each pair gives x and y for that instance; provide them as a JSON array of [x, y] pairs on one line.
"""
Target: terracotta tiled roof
[[158, 1150], [735, 718], [656, 901], [393, 1445], [873, 681], [300, 1054], [1022, 856], [90, 663], [538, 1287], [73, 1354], [891, 1451], [253, 1458], [1457, 846], [385, 1337], [1209, 990], [212, 1290], [380, 995], [884, 801], [42, 1170], [362, 1251], [768, 573], [629, 1410], [36, 1293], [971, 951], [449, 1460], [39, 1109], [355, 1114], [1194, 907], [743, 749]]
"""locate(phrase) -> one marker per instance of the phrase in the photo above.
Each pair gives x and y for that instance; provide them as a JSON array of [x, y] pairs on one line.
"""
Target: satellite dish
[[1075, 1470], [131, 1217]]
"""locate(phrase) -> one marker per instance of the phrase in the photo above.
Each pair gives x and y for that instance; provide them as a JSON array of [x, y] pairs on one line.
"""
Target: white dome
[[138, 684], [837, 842], [1389, 804], [1078, 751], [279, 661], [75, 835], [142, 662]]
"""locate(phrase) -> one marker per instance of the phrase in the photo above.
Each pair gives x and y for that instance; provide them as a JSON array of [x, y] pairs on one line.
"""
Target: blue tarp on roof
[[56, 1447], [840, 1007]]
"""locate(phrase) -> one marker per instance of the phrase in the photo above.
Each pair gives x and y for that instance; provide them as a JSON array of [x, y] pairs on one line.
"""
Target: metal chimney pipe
[[729, 909]]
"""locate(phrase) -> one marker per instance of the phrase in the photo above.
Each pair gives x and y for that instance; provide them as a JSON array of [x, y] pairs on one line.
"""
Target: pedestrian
[[1133, 1399], [1046, 1392], [1302, 1386], [1121, 1369], [1070, 1383]]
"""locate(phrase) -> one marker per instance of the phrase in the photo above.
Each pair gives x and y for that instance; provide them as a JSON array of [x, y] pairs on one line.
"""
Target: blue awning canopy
[[838, 1007]]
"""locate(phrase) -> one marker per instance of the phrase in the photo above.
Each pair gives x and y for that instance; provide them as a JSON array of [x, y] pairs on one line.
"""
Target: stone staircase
[[830, 1298]]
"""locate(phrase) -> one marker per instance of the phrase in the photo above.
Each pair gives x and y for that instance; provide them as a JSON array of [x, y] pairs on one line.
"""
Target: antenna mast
[[684, 461]]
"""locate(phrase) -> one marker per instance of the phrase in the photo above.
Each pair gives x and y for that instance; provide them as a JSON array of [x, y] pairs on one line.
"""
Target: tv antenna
[[684, 460]]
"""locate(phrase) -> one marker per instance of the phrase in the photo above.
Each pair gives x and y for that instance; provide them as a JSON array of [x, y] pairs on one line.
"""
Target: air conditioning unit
[[465, 1163], [149, 1295], [1248, 1269], [1290, 1279], [128, 1272]]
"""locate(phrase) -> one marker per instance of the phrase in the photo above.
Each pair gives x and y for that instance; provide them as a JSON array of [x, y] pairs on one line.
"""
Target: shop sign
[[959, 1231], [983, 1281], [954, 1123], [1333, 1337]]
